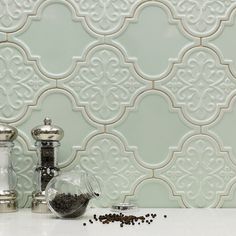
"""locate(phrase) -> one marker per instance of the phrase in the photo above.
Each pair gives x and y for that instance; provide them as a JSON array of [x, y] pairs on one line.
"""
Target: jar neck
[[92, 185]]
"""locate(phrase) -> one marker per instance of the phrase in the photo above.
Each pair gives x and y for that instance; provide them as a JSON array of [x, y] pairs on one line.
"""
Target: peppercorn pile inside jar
[[68, 194]]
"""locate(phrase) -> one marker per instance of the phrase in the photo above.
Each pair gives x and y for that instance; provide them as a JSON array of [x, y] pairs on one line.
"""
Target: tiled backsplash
[[144, 90]]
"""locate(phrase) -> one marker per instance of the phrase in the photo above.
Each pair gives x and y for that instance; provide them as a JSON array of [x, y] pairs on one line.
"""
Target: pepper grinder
[[47, 138], [8, 202]]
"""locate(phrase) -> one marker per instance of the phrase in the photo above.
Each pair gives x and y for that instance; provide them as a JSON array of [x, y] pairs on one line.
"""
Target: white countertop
[[179, 222]]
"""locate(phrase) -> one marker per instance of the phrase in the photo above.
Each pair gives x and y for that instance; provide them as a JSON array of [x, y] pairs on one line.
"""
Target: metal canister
[[8, 179], [47, 138]]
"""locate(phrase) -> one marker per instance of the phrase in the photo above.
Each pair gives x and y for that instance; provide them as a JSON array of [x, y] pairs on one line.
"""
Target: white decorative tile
[[200, 85], [105, 17], [20, 83], [105, 85], [200, 172], [152, 128], [153, 50], [13, 14], [202, 18], [55, 51], [115, 167]]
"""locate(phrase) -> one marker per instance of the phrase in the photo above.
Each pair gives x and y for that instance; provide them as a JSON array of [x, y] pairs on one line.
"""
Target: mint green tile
[[108, 16], [14, 13], [153, 128], [200, 172], [225, 129], [202, 18], [229, 200], [154, 193], [55, 38], [58, 106], [20, 82], [200, 85], [105, 85], [114, 165], [224, 43], [3, 37], [152, 48]]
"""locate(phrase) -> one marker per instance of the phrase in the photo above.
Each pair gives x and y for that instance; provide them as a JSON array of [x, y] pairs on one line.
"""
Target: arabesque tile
[[55, 51], [105, 84], [153, 50], [114, 165], [201, 172]]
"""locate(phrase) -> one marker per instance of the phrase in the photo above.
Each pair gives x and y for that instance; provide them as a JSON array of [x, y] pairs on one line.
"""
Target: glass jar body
[[68, 194]]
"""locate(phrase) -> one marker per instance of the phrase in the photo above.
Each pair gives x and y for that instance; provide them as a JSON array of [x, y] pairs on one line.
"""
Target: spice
[[124, 219], [68, 205]]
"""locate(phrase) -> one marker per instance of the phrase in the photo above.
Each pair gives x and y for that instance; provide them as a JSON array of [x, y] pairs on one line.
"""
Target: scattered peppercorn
[[123, 219], [165, 216]]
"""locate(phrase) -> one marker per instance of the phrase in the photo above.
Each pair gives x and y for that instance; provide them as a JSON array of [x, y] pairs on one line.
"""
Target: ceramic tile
[[56, 51], [3, 37], [224, 130], [201, 18], [154, 192], [201, 173], [200, 85], [222, 42], [20, 82], [114, 166], [105, 85], [144, 90], [59, 106], [13, 14], [153, 50], [105, 17], [152, 128], [229, 199]]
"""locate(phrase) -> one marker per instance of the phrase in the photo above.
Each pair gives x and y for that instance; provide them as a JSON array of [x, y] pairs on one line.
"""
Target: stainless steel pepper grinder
[[47, 138], [8, 201]]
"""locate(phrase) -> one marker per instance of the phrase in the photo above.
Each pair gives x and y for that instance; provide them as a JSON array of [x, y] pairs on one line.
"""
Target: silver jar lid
[[47, 131], [7, 132]]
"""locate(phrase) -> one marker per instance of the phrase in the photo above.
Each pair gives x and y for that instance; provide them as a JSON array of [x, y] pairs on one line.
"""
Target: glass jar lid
[[47, 131], [7, 132]]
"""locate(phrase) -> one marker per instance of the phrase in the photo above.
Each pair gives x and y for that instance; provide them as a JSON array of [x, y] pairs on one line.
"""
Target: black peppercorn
[[69, 205]]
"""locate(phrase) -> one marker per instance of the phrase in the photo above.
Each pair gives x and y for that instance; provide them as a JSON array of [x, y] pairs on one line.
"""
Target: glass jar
[[68, 194], [47, 138], [8, 180]]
